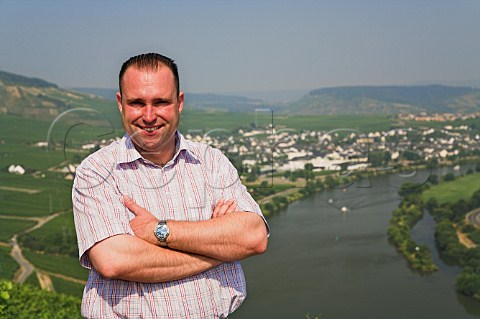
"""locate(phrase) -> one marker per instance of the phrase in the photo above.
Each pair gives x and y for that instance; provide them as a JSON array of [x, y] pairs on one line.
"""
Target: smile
[[149, 129]]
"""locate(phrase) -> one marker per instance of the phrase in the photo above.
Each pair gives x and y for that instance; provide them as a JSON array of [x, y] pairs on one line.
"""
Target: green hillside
[[15, 79], [388, 100], [453, 191], [38, 99]]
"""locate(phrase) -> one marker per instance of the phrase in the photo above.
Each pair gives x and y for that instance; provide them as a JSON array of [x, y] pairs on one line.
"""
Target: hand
[[144, 223], [223, 207]]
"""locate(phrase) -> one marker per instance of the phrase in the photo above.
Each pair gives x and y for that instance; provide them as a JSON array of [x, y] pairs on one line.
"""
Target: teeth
[[151, 129]]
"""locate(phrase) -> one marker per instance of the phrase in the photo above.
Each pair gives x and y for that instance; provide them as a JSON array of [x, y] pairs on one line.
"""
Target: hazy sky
[[234, 46]]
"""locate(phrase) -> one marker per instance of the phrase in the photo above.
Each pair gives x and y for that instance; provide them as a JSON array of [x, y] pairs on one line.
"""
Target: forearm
[[130, 258], [233, 236]]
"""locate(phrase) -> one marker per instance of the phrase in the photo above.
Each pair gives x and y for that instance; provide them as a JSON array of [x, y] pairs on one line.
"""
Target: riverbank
[[292, 191], [456, 233]]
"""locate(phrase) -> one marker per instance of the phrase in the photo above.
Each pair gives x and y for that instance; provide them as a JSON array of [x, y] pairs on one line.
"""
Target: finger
[[232, 207], [132, 206], [223, 210], [217, 207]]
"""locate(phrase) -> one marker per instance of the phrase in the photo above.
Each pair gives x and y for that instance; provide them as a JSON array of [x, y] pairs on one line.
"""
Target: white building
[[16, 169]]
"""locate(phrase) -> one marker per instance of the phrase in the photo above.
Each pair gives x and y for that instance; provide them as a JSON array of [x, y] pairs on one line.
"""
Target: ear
[[119, 101], [181, 98]]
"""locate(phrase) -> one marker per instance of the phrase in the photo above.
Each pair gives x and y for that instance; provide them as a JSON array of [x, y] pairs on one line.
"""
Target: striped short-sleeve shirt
[[186, 188]]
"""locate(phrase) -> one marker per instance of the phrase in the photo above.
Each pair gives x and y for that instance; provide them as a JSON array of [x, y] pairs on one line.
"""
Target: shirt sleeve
[[228, 185], [97, 207]]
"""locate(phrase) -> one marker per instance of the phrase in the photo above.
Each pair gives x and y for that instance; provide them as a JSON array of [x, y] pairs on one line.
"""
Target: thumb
[[131, 205]]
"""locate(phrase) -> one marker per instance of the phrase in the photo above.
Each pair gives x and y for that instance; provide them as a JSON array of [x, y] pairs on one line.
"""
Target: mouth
[[149, 129]]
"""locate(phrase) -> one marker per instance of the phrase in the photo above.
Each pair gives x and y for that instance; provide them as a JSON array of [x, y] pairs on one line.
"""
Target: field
[[33, 280], [57, 236], [8, 265], [204, 121], [61, 224], [67, 287], [67, 266], [10, 227], [25, 195], [449, 192]]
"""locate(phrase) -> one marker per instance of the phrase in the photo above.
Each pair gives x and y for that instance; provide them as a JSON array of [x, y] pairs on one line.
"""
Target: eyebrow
[[135, 100]]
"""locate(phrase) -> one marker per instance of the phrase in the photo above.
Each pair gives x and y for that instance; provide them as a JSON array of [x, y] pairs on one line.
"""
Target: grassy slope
[[192, 120], [67, 287], [9, 227], [8, 265], [68, 266], [449, 192], [62, 224], [53, 194]]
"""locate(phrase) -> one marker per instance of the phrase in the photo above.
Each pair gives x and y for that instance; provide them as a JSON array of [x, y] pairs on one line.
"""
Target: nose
[[148, 114]]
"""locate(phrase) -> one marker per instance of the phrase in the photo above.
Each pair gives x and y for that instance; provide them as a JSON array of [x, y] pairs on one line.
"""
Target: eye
[[136, 103], [161, 102]]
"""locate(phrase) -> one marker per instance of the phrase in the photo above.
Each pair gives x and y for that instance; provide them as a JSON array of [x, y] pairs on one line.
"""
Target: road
[[26, 268], [473, 217]]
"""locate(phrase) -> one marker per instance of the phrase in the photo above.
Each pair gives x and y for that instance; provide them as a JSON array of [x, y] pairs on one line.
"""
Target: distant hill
[[36, 98], [15, 79], [465, 83], [388, 100]]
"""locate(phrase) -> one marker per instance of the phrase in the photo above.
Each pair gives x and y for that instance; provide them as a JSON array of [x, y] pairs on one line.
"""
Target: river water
[[335, 265]]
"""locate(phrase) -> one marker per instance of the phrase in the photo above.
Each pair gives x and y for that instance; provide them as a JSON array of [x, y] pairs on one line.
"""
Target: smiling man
[[161, 221]]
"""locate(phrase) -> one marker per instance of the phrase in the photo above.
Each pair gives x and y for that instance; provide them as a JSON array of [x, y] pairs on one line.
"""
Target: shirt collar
[[128, 153]]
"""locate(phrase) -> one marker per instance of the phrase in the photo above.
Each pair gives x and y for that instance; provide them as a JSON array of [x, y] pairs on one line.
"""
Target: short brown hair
[[150, 61]]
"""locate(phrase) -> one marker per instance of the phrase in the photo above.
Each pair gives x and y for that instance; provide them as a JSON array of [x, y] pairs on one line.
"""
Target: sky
[[240, 46]]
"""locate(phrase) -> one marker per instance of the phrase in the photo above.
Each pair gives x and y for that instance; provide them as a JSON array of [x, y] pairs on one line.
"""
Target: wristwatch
[[161, 232]]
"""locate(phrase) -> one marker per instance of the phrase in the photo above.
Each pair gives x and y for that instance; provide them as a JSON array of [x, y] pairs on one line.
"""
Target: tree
[[468, 282], [433, 179], [432, 203], [409, 188], [330, 181], [308, 171], [449, 177], [376, 159]]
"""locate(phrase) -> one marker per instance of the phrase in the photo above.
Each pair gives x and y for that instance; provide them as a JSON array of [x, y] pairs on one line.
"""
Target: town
[[264, 150]]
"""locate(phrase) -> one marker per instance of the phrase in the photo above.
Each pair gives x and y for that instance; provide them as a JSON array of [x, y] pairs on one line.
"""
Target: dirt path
[[464, 240], [45, 281], [22, 190], [67, 278], [473, 217], [26, 268]]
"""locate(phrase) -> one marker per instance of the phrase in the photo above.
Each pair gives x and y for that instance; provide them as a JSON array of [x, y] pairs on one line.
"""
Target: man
[[161, 221]]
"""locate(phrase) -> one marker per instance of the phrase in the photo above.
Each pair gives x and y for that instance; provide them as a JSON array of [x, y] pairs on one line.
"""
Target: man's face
[[151, 110]]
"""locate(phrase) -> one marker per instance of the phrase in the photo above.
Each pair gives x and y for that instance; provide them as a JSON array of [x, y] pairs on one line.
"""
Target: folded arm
[[131, 258], [227, 236]]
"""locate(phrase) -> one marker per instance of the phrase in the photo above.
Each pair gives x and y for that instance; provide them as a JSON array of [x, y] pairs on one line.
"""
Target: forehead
[[138, 80]]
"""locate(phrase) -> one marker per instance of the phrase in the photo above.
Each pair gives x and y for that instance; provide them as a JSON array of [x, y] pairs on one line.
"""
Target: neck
[[159, 158], [162, 155]]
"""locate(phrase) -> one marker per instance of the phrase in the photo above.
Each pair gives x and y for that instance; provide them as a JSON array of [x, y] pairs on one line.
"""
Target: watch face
[[161, 232]]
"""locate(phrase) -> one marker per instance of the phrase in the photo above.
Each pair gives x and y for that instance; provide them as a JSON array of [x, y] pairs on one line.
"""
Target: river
[[335, 265]]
